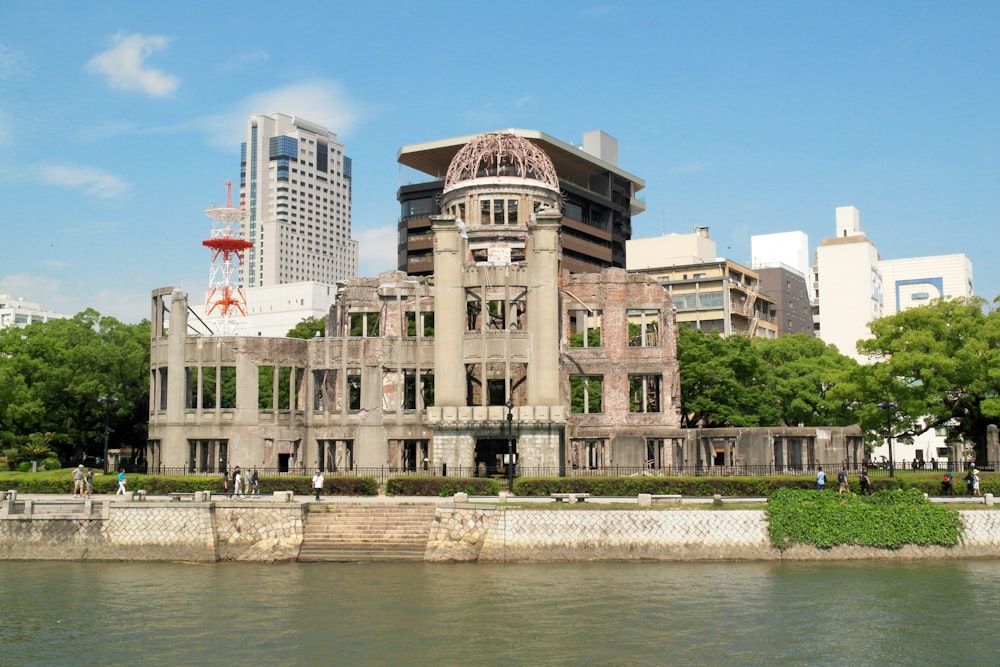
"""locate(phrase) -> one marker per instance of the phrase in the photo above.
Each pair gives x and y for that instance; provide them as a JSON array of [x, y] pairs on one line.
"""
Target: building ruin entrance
[[491, 453]]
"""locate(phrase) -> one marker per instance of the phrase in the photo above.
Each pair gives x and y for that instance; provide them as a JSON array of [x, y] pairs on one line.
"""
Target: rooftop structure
[[598, 197]]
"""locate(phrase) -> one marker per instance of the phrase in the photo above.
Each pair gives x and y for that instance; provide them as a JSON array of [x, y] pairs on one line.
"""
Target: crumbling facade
[[500, 351]]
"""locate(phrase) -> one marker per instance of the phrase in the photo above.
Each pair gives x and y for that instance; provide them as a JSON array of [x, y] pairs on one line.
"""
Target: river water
[[629, 614]]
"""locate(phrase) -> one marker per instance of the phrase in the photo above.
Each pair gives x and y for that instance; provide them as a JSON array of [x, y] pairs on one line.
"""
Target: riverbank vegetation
[[887, 519]]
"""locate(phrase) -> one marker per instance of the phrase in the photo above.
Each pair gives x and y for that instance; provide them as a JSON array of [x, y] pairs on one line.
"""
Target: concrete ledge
[[569, 497]]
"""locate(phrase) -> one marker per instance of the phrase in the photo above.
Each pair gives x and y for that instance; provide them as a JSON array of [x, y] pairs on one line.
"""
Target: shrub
[[441, 486], [888, 519]]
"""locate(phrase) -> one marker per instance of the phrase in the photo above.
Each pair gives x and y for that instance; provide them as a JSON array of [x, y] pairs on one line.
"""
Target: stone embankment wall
[[274, 531], [155, 530], [469, 533]]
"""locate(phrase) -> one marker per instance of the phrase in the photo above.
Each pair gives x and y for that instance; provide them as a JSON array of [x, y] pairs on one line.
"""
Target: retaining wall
[[154, 530], [464, 534], [273, 531]]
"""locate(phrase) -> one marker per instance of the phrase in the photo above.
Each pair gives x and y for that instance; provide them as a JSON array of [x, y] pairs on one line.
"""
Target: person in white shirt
[[318, 483]]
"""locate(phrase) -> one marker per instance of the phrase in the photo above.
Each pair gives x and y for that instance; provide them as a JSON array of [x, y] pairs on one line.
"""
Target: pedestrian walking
[[78, 480], [237, 482], [948, 484], [975, 482], [255, 483], [318, 483], [121, 483], [842, 487], [866, 485], [820, 479], [88, 483]]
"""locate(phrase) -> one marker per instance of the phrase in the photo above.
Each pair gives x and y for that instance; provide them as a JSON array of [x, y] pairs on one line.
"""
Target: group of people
[[971, 483], [241, 484], [83, 482], [843, 485], [947, 482]]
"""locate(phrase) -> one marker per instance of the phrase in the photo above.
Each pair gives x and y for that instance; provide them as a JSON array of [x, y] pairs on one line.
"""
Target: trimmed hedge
[[928, 482], [158, 485], [441, 486], [887, 519]]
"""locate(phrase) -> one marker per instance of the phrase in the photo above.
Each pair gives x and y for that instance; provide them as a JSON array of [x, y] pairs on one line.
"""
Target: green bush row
[[441, 486], [888, 519], [929, 483]]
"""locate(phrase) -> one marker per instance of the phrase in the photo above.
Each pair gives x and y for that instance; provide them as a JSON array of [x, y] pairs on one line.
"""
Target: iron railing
[[383, 473]]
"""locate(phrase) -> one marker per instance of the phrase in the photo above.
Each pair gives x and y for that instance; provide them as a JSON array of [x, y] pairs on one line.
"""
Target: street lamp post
[[107, 402], [889, 406], [510, 446]]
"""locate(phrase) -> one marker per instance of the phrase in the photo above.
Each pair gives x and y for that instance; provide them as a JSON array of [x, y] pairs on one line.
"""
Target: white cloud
[[320, 101], [124, 65], [35, 289], [377, 246], [91, 180]]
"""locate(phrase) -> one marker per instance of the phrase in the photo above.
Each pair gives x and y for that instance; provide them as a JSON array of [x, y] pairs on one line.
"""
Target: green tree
[[940, 364], [52, 373], [804, 373], [724, 382], [308, 328]]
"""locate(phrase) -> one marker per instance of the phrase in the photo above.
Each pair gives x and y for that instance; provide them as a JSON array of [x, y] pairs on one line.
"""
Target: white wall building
[[16, 312], [788, 248], [295, 183], [848, 281], [273, 311], [916, 281]]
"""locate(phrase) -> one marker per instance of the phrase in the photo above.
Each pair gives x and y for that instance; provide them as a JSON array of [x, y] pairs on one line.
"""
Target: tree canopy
[[52, 373], [308, 328]]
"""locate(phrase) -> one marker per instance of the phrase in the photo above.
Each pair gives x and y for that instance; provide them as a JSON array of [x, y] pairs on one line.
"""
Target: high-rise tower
[[295, 184]]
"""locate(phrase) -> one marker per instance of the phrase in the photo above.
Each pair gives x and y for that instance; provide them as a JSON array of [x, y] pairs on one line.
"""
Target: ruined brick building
[[500, 348]]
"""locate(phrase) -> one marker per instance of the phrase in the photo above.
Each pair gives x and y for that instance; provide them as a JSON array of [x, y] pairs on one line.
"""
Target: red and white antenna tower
[[226, 303]]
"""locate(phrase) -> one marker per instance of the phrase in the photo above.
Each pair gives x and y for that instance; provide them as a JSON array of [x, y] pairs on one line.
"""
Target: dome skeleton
[[501, 155]]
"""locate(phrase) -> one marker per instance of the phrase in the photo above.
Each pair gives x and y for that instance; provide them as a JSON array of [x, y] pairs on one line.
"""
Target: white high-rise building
[[848, 284], [295, 184]]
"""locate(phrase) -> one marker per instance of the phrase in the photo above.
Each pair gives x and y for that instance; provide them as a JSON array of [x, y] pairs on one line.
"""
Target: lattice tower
[[226, 303]]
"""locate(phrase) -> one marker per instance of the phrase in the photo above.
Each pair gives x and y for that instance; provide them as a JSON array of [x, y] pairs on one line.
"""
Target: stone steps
[[366, 532]]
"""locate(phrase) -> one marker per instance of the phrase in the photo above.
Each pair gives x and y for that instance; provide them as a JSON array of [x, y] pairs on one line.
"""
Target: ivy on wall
[[887, 519]]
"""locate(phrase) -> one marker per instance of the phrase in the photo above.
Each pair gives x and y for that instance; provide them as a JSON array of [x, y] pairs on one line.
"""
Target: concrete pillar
[[543, 308], [449, 312]]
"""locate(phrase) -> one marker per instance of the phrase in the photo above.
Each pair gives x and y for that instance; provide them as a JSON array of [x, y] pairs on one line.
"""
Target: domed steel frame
[[501, 155]]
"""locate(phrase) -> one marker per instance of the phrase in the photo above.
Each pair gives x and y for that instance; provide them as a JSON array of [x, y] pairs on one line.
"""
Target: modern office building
[[916, 281], [710, 293], [16, 312], [598, 199], [295, 185], [500, 351]]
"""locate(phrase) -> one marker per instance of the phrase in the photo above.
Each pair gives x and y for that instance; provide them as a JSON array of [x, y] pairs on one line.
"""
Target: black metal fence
[[383, 473]]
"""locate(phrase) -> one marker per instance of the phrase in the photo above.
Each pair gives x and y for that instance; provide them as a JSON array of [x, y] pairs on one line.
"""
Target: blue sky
[[120, 121]]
